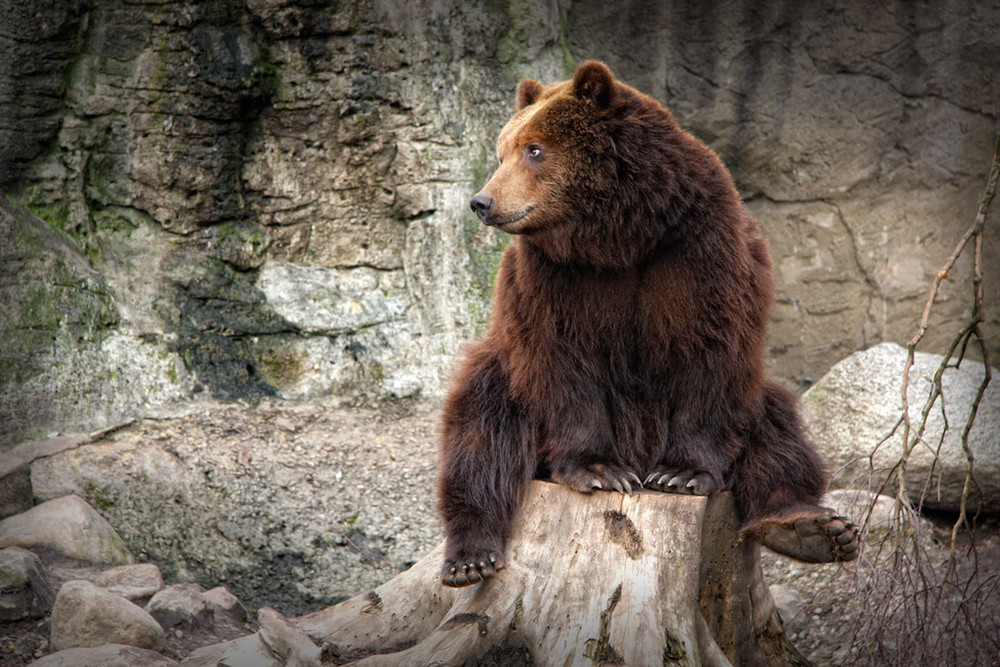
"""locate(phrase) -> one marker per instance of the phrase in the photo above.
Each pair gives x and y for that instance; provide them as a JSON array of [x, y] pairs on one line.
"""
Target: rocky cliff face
[[269, 197], [860, 135]]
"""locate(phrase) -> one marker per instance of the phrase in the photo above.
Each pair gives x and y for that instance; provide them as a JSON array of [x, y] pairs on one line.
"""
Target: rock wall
[[860, 134], [270, 196]]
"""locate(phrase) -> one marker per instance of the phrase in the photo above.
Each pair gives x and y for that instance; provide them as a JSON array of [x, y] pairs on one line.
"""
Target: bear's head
[[593, 172]]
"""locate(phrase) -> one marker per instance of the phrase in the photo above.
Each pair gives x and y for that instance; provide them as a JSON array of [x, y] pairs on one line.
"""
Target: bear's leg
[[808, 533], [778, 482], [486, 464], [580, 448]]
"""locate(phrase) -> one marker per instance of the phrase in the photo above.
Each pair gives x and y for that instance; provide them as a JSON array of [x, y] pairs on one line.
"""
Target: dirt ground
[[828, 610]]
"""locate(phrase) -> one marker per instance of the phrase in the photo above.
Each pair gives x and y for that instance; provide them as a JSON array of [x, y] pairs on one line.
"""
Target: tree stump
[[643, 579]]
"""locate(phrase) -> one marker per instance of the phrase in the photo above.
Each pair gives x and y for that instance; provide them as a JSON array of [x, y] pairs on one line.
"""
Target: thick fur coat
[[627, 337]]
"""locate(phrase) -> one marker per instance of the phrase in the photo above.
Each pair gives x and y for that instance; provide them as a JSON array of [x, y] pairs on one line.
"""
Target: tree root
[[641, 579]]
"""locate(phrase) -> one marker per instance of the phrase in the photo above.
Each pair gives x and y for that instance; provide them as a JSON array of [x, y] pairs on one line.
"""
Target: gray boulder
[[69, 363], [86, 615], [69, 526], [227, 603], [182, 605], [25, 591], [855, 406], [141, 580], [109, 655]]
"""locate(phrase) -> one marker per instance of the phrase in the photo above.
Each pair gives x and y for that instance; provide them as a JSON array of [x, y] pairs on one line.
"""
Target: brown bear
[[626, 342]]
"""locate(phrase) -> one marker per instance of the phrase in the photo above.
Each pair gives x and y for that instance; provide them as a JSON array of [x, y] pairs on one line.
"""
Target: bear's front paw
[[468, 571], [681, 480], [607, 476]]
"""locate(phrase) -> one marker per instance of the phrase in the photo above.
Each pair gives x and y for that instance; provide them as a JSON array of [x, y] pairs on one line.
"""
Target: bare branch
[[939, 618]]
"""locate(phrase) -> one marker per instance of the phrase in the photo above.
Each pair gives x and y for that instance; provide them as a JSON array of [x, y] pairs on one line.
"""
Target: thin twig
[[903, 633]]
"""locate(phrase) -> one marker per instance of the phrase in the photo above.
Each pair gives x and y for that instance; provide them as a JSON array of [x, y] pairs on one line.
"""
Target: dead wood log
[[646, 579]]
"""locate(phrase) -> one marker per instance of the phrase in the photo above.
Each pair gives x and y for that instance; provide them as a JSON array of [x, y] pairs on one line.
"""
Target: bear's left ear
[[527, 92], [594, 81]]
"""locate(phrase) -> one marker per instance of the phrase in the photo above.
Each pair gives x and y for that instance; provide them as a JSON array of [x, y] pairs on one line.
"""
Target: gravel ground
[[293, 506]]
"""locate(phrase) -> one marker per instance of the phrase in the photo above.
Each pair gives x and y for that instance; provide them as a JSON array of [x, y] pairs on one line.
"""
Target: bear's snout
[[482, 205]]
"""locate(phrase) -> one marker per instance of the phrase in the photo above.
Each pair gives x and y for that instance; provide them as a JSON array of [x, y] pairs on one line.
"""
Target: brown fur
[[628, 325]]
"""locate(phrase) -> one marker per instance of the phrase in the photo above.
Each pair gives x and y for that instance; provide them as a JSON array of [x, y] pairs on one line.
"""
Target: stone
[[69, 526], [86, 615], [182, 605], [25, 590], [62, 570], [109, 655], [336, 303], [132, 582], [331, 301], [15, 491], [66, 364], [227, 603], [856, 405]]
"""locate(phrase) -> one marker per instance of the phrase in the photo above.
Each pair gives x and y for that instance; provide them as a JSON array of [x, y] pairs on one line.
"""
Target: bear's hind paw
[[820, 538]]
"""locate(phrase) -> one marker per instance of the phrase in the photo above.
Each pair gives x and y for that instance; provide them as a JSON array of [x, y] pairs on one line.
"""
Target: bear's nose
[[482, 206]]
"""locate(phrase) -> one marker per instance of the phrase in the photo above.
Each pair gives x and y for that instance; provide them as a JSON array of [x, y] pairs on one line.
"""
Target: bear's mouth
[[503, 222]]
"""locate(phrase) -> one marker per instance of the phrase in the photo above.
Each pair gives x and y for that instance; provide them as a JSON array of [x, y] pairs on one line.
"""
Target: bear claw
[[600, 476], [465, 572], [677, 480]]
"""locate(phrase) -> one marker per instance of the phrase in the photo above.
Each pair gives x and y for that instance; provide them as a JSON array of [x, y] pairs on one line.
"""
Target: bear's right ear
[[594, 81], [527, 92]]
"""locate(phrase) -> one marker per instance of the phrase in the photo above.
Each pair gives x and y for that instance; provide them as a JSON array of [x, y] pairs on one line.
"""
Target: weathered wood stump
[[646, 579]]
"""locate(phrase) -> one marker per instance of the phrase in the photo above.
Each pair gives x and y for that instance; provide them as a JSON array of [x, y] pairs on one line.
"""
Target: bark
[[646, 579]]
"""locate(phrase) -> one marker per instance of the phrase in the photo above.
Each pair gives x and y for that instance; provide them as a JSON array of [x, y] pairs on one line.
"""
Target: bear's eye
[[534, 151]]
